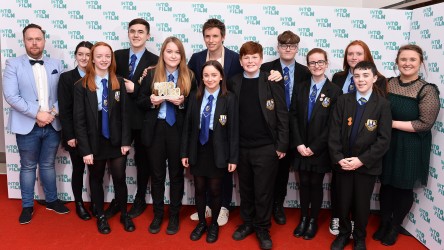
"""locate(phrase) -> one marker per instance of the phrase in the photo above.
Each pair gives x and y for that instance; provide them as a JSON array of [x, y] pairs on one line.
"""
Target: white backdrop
[[330, 28]]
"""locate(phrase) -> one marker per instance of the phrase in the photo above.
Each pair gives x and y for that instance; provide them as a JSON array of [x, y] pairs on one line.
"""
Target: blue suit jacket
[[231, 64], [19, 90]]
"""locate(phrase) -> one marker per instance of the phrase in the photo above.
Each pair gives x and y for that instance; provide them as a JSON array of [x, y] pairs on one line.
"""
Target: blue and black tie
[[205, 121], [170, 112], [362, 101], [352, 87], [287, 81], [312, 102], [105, 118], [132, 66]]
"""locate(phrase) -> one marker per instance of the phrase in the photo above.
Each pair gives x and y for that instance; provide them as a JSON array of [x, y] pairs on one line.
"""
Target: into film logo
[[164, 27], [59, 24], [235, 9], [377, 14], [439, 21], [425, 34], [376, 55], [234, 29], [270, 51], [435, 235], [7, 33], [293, 203], [429, 194], [7, 13], [270, 30], [93, 5], [111, 35], [438, 212], [13, 167], [411, 217], [59, 44], [13, 185], [428, 12], [393, 25], [58, 4], [439, 185], [359, 24], [24, 4], [128, 5], [287, 21], [164, 7], [197, 47], [64, 196], [181, 18], [341, 12], [252, 20], [94, 25], [435, 150], [306, 11], [75, 14], [270, 10], [323, 23], [433, 67], [63, 178], [41, 14], [376, 34], [436, 44], [199, 7], [305, 32], [424, 215], [433, 173], [110, 15]]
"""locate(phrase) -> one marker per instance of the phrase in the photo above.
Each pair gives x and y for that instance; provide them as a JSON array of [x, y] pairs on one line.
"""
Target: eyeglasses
[[288, 46], [319, 63]]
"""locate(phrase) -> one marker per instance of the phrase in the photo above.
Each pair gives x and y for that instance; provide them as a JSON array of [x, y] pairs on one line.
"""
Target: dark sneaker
[[137, 208], [26, 215], [57, 206], [264, 239], [154, 227], [243, 231], [173, 225]]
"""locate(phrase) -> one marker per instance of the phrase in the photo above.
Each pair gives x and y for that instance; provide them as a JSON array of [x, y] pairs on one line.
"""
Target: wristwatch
[[53, 112]]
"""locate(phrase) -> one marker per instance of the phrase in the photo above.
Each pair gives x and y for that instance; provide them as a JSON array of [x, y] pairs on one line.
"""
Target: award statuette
[[166, 90]]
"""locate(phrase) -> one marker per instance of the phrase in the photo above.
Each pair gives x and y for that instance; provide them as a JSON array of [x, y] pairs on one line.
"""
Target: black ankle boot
[[382, 231], [301, 228], [311, 230], [391, 236]]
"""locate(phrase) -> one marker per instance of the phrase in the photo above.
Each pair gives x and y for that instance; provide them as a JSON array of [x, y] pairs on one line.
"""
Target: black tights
[[311, 192], [395, 203], [214, 186], [78, 168], [117, 167]]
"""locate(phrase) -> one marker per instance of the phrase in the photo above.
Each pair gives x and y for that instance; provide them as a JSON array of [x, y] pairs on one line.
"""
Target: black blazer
[[301, 73], [122, 69], [225, 135], [86, 118], [231, 63], [65, 93], [370, 145], [150, 112], [340, 77], [277, 118], [314, 136]]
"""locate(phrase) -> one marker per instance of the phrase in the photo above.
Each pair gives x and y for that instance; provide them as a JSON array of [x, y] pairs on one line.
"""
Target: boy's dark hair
[[34, 26], [366, 65], [140, 21], [214, 23], [288, 37]]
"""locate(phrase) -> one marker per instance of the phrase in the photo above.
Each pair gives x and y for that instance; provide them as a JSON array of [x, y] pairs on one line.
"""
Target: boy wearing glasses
[[294, 73]]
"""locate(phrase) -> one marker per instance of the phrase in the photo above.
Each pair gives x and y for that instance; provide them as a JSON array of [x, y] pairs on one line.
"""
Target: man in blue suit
[[30, 88]]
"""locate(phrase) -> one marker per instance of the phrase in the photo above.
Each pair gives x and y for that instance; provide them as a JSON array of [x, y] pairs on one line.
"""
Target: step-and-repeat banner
[[331, 28]]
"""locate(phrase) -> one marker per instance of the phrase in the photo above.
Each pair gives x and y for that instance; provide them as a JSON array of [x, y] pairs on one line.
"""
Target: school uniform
[[298, 73], [342, 80], [361, 131], [162, 141], [263, 130]]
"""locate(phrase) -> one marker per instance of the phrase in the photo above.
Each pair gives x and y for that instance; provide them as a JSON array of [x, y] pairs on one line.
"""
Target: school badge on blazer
[[117, 96], [371, 124], [223, 119], [326, 102], [270, 104]]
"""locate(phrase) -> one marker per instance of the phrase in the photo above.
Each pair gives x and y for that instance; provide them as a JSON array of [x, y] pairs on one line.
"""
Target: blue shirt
[[99, 90], [367, 96], [256, 76], [291, 69], [162, 109], [319, 86], [139, 55], [213, 106], [81, 72], [347, 83]]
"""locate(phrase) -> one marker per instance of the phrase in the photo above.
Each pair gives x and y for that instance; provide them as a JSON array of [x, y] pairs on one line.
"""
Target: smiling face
[[355, 54], [102, 57], [171, 57], [82, 57], [287, 52], [213, 39], [317, 64], [251, 63], [364, 80], [211, 78], [138, 35], [409, 63], [34, 42]]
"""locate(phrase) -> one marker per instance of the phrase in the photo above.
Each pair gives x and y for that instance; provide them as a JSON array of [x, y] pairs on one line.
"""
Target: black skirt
[[205, 165], [106, 149]]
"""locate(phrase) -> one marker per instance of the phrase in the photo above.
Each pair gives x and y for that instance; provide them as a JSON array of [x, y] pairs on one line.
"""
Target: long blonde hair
[[89, 81], [185, 74]]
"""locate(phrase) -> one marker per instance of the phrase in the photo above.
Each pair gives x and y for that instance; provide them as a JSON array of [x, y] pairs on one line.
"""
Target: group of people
[[233, 114]]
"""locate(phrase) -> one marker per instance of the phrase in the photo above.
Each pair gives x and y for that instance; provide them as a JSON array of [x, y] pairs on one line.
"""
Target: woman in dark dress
[[162, 129], [102, 129], [415, 106], [65, 93], [309, 117], [210, 143]]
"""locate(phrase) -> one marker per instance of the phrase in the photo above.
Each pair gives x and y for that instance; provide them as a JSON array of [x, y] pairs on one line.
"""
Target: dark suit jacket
[[277, 118], [340, 77], [314, 136], [370, 145], [231, 63], [122, 59], [225, 137], [65, 93], [301, 73], [86, 118], [151, 112]]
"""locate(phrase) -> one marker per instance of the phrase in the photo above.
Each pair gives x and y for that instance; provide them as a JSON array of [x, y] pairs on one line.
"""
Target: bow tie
[[32, 62]]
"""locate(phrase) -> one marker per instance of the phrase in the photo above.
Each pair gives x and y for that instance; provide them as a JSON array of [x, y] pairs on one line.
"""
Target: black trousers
[[257, 172], [354, 190], [166, 146], [141, 159], [280, 186], [78, 168]]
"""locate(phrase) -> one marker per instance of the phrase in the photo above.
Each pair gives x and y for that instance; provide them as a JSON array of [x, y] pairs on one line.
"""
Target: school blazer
[[340, 77], [122, 70], [150, 112], [225, 130], [86, 118], [373, 138], [314, 135], [275, 118], [65, 92], [301, 73], [231, 63]]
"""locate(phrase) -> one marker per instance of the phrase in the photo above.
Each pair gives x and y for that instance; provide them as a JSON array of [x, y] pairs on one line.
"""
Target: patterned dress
[[406, 164]]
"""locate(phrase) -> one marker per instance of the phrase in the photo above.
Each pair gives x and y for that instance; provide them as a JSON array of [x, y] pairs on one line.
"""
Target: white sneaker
[[222, 219], [334, 226], [195, 216]]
